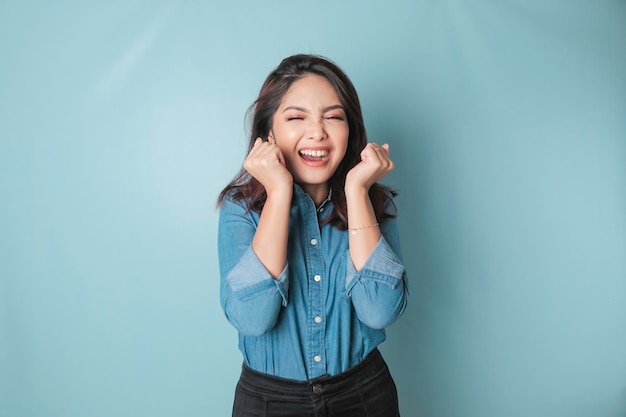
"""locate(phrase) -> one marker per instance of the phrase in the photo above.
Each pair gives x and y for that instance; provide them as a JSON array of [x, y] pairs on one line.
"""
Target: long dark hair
[[247, 188]]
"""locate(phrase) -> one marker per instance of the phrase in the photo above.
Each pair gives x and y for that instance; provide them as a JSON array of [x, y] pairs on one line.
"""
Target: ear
[[270, 137]]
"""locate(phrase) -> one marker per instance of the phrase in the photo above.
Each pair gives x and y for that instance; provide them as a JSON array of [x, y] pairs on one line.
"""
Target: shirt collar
[[300, 193], [321, 208]]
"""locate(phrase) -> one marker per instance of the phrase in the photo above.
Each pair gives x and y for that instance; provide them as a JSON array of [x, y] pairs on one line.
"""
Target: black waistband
[[368, 368]]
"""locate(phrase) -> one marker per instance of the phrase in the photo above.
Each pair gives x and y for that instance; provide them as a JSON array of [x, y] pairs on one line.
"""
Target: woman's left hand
[[375, 164]]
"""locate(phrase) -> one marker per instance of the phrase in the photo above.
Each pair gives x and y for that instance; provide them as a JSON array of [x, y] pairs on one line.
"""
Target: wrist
[[356, 191], [284, 191]]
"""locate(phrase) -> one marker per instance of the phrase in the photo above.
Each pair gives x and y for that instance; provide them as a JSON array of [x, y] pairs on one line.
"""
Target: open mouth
[[313, 155]]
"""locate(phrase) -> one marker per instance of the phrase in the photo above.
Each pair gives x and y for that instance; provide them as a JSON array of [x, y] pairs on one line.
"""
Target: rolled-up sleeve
[[379, 289], [250, 297]]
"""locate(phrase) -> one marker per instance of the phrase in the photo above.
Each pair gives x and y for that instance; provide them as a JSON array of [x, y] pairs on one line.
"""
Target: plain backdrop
[[121, 121]]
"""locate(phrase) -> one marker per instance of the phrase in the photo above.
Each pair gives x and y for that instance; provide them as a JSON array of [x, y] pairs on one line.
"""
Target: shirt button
[[317, 358], [318, 319], [313, 241], [317, 278]]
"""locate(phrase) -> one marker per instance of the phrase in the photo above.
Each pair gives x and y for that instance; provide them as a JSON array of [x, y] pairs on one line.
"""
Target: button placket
[[317, 328]]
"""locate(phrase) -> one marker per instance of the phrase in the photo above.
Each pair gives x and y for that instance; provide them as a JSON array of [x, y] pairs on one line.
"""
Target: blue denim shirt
[[321, 316]]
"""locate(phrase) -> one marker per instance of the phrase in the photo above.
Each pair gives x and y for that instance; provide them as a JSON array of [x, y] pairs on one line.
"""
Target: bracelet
[[356, 229]]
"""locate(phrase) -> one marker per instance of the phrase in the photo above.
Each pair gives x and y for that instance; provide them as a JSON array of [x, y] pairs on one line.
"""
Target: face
[[311, 130]]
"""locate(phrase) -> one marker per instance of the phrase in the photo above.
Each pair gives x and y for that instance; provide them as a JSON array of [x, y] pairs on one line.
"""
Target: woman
[[309, 252]]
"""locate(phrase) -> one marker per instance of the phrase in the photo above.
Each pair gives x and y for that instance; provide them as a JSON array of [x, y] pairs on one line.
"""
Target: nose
[[316, 130]]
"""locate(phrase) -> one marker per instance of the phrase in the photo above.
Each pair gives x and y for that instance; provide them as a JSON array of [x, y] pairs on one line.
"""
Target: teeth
[[316, 153]]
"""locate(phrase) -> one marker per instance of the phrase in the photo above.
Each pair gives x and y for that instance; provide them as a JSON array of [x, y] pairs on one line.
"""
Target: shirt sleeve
[[250, 297], [379, 289]]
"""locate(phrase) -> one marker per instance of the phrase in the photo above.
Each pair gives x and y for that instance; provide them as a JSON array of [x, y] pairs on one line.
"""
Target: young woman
[[309, 252]]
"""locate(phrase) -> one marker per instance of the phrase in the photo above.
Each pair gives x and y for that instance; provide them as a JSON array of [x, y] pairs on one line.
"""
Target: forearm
[[270, 238], [254, 310], [250, 296], [364, 232], [379, 289]]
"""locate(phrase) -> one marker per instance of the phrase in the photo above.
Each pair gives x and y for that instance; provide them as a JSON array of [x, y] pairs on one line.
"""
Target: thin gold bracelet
[[356, 229]]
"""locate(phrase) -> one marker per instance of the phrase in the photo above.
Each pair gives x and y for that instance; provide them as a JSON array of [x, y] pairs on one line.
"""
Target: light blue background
[[121, 121]]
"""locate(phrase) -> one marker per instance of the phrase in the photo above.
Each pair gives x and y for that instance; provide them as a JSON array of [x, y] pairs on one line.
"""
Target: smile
[[313, 154]]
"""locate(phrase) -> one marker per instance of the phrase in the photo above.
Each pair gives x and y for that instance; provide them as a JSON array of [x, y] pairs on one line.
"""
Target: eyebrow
[[325, 109]]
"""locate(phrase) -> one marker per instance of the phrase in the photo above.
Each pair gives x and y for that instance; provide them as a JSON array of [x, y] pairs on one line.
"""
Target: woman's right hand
[[266, 163]]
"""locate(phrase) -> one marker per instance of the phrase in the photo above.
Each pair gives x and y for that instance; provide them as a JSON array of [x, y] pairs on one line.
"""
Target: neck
[[317, 192]]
